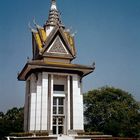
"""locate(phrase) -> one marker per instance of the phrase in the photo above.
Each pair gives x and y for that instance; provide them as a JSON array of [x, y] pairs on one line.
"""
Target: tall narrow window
[[58, 115]]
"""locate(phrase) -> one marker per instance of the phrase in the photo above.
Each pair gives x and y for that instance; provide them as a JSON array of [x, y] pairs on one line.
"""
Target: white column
[[44, 116], [38, 102], [32, 103], [26, 107], [77, 104], [51, 105], [68, 103]]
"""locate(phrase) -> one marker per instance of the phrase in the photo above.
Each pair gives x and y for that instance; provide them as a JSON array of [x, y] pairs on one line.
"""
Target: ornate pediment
[[57, 47]]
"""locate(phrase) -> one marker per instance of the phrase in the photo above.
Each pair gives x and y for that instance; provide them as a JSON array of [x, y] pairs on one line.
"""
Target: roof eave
[[28, 67]]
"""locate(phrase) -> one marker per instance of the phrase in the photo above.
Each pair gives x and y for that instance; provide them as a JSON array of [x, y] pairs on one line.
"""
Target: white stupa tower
[[54, 99]]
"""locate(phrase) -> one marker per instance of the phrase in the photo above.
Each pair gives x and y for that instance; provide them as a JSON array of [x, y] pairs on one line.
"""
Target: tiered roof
[[53, 48]]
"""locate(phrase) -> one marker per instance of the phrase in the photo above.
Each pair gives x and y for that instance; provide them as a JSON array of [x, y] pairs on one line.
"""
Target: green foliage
[[112, 111], [90, 133], [10, 122], [21, 134], [27, 134], [41, 133]]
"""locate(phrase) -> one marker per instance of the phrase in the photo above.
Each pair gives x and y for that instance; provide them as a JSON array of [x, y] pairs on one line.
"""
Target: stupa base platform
[[63, 137]]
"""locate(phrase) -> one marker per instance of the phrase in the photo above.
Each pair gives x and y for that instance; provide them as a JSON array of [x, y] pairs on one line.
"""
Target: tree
[[12, 121], [112, 111], [14, 117], [1, 115]]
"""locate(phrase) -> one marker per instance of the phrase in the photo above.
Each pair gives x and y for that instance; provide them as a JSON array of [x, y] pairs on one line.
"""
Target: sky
[[108, 33]]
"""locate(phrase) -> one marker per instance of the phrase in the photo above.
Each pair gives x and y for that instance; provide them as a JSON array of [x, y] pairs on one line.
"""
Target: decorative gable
[[57, 47]]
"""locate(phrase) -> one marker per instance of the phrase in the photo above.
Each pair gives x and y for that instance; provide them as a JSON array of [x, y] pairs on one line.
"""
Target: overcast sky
[[108, 32]]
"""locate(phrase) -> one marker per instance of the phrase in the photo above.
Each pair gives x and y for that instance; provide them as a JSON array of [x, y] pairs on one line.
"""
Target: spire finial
[[53, 1], [53, 5]]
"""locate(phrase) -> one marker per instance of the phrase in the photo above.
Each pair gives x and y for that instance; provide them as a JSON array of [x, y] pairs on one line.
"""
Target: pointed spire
[[54, 15], [53, 6]]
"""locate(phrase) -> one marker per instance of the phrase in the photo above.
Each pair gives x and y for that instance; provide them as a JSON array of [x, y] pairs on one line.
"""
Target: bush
[[90, 133], [42, 133], [21, 134], [29, 134]]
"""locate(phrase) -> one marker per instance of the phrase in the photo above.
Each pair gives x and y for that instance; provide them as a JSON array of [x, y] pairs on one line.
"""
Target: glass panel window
[[60, 110], [60, 129], [54, 129], [54, 121], [54, 110], [54, 101], [60, 121], [58, 87], [61, 101]]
